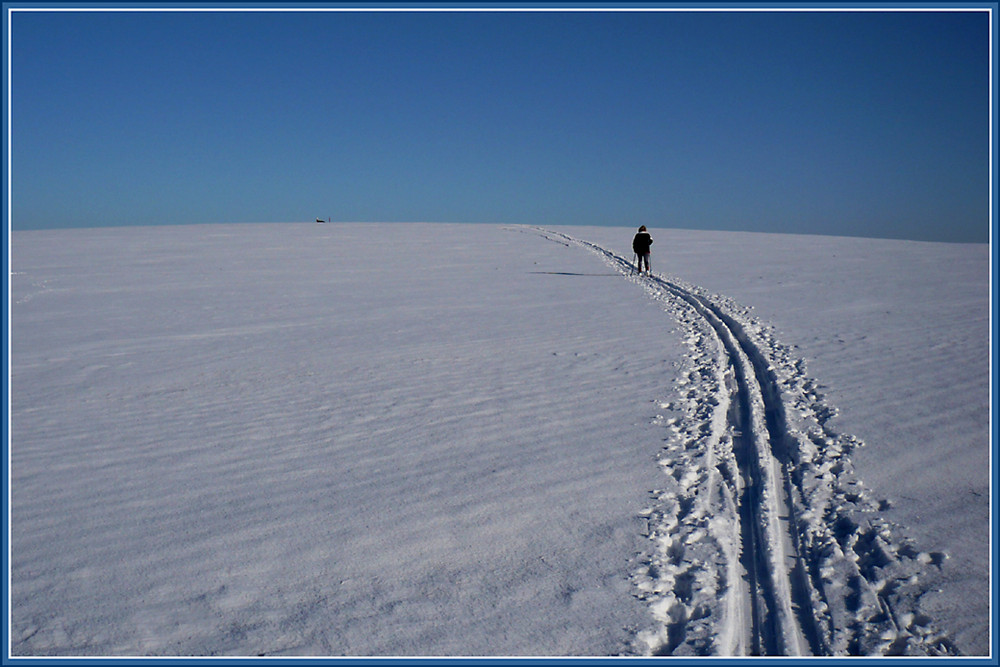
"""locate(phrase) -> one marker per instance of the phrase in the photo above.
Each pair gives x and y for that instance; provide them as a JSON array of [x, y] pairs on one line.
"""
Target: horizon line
[[317, 221]]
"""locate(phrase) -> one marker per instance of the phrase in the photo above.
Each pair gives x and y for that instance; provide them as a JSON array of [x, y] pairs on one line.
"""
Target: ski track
[[762, 539]]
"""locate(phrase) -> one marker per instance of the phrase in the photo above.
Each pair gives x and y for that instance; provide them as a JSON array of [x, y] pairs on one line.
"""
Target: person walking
[[640, 245]]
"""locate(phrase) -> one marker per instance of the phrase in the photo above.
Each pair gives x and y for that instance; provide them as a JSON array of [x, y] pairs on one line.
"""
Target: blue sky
[[845, 123]]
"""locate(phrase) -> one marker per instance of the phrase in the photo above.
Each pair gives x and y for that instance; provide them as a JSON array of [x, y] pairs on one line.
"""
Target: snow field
[[292, 440], [481, 440]]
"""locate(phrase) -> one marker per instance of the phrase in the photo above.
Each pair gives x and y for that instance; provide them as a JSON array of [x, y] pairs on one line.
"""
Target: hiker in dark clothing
[[640, 244]]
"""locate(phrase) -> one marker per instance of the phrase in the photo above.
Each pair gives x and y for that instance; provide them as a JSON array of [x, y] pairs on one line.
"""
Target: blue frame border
[[7, 659]]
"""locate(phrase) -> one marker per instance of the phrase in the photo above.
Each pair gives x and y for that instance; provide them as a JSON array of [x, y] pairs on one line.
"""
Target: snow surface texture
[[483, 440], [896, 336]]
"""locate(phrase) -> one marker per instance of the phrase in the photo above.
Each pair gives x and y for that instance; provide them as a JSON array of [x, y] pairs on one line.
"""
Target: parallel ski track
[[849, 586], [778, 588]]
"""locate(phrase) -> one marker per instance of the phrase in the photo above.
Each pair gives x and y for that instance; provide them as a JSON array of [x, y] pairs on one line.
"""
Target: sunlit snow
[[444, 439]]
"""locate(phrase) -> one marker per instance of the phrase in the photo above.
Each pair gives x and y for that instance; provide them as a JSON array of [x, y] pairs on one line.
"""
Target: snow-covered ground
[[428, 439]]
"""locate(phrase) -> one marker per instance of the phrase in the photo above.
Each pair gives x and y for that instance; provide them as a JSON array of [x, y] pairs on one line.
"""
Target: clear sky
[[845, 123]]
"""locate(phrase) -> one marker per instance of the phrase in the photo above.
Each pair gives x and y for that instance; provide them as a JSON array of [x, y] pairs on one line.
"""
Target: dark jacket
[[641, 243]]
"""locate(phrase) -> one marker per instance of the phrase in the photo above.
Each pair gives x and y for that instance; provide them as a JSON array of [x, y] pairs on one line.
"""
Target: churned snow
[[433, 439]]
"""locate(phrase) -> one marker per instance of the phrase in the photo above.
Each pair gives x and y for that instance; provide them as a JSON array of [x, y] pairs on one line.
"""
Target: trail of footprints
[[762, 540]]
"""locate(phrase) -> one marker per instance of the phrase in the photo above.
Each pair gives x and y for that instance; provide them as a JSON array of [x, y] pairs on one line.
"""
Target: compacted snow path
[[766, 544]]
